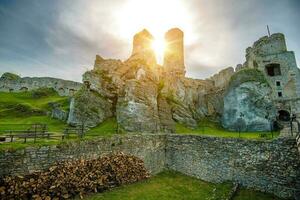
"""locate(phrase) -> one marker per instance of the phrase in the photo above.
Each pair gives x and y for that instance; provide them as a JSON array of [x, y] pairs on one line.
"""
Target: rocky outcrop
[[58, 112], [89, 108], [192, 100], [247, 102], [137, 107]]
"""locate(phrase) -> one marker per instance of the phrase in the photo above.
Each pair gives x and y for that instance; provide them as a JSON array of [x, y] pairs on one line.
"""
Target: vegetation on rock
[[10, 76], [247, 75]]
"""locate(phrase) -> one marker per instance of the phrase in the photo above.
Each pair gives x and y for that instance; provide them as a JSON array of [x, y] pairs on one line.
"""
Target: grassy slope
[[173, 186], [23, 108], [213, 129]]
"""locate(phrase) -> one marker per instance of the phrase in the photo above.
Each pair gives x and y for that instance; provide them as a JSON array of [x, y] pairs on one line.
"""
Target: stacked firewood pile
[[71, 178]]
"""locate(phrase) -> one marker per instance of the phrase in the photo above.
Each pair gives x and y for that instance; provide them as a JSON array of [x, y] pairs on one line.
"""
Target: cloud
[[61, 38]]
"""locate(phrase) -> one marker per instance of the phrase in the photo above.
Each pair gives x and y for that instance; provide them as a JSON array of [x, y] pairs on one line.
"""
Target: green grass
[[170, 185], [213, 129], [107, 128], [167, 185], [245, 194], [26, 98], [19, 110], [29, 108]]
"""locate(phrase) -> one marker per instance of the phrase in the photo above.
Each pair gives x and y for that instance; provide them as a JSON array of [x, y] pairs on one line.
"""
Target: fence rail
[[24, 132]]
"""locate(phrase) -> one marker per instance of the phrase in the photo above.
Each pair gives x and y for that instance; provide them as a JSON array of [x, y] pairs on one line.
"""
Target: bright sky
[[60, 38]]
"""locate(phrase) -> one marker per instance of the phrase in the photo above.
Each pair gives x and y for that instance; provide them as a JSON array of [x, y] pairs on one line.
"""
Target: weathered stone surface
[[268, 166], [150, 148], [89, 108], [137, 107], [192, 100], [57, 112], [221, 79], [247, 101], [13, 83]]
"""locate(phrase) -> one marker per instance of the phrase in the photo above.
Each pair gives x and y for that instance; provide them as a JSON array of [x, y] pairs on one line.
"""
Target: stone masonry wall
[[150, 148], [268, 166]]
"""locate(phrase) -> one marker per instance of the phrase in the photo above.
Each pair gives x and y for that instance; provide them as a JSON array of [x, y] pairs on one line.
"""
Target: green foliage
[[247, 75], [210, 128], [43, 92], [245, 194], [19, 110], [171, 99], [10, 76], [28, 103], [161, 85]]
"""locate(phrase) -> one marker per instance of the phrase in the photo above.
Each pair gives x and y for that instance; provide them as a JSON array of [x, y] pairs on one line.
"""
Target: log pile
[[71, 178]]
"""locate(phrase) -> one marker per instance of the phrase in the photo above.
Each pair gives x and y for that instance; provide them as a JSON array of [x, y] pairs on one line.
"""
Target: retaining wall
[[268, 166]]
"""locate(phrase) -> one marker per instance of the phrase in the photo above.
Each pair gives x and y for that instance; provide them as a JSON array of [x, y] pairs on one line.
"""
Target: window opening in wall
[[283, 115], [273, 69], [279, 94], [278, 83]]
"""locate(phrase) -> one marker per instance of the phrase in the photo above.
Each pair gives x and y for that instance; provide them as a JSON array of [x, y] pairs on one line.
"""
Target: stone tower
[[142, 47], [174, 53]]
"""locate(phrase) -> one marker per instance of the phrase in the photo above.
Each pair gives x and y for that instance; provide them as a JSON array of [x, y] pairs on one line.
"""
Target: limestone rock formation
[[57, 111], [89, 108], [137, 107], [247, 102]]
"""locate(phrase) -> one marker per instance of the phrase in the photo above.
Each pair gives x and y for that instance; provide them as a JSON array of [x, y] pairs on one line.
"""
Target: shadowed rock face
[[247, 103]]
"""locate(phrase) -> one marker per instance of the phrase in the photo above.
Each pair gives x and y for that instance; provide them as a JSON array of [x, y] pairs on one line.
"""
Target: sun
[[159, 47], [157, 17]]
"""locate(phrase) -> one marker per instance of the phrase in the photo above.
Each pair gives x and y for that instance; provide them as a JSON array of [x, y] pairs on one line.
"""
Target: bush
[[10, 76], [43, 92]]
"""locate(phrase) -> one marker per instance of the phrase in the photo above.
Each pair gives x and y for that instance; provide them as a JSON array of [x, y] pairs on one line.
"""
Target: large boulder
[[89, 108], [247, 102]]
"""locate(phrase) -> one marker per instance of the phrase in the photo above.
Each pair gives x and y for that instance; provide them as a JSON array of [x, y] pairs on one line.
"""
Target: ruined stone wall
[[270, 166], [222, 78], [63, 87], [273, 50], [150, 148]]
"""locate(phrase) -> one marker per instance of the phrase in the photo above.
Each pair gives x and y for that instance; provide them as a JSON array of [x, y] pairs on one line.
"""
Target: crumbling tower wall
[[174, 53], [142, 47]]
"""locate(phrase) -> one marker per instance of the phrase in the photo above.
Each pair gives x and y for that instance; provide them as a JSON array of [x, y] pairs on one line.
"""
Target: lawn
[[170, 185], [206, 127]]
